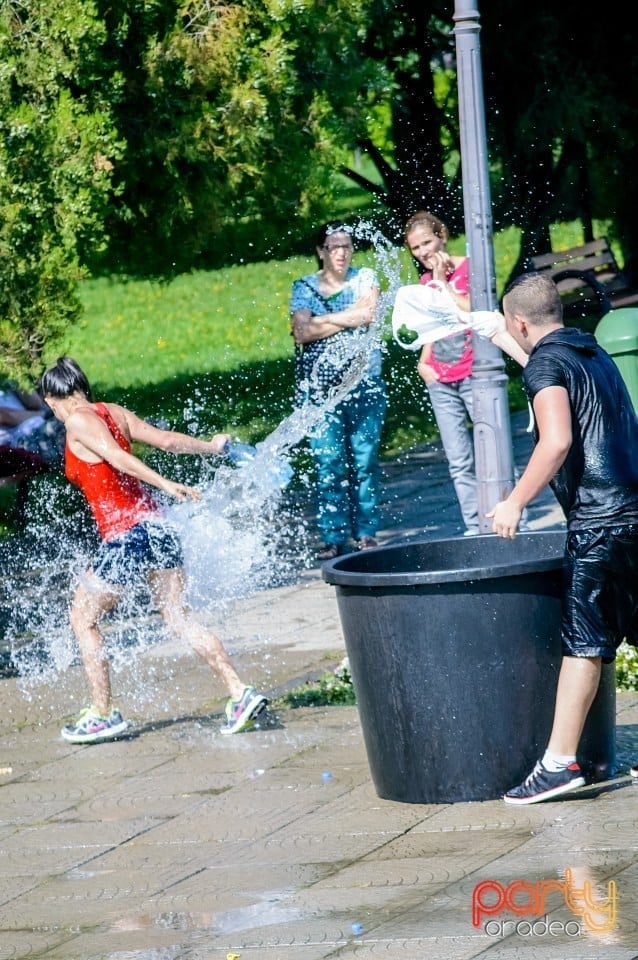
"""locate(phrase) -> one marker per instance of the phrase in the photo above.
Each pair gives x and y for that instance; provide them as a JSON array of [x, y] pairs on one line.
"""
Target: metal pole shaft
[[492, 430]]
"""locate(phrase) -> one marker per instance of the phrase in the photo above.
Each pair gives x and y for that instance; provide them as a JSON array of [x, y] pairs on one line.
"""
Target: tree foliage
[[417, 155], [235, 116], [55, 142], [560, 111], [561, 108], [147, 136], [152, 136]]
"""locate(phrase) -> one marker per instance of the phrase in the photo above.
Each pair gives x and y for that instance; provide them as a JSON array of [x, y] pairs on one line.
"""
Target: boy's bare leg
[[557, 774], [577, 686], [168, 589], [89, 605]]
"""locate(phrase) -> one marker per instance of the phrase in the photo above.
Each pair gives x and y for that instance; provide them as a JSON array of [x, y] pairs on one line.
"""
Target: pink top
[[452, 356]]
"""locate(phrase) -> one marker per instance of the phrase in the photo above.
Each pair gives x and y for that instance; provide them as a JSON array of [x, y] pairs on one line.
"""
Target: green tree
[[562, 120], [56, 153], [560, 110], [416, 150], [236, 117]]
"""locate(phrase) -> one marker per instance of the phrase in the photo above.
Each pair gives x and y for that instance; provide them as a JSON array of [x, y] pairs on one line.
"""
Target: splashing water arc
[[236, 539]]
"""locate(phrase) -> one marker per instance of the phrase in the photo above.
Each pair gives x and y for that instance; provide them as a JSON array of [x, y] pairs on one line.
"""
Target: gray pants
[[452, 405]]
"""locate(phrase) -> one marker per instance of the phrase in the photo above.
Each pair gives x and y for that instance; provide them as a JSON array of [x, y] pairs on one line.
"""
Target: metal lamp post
[[492, 432]]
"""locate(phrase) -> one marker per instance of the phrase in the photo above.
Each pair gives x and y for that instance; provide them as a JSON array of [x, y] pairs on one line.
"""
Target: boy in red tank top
[[137, 541]]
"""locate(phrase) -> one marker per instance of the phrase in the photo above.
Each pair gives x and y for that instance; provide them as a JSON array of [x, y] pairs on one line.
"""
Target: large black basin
[[454, 651]]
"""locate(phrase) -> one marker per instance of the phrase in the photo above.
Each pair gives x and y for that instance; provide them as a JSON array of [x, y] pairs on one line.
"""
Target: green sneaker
[[241, 714], [90, 727]]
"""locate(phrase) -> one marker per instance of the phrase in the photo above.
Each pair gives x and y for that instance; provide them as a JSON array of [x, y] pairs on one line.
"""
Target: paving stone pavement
[[176, 842]]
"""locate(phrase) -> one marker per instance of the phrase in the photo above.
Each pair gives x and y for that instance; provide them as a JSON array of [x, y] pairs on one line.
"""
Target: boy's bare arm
[[506, 342], [553, 419]]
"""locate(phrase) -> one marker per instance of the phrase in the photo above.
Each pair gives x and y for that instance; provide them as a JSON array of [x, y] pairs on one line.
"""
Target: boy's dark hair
[[63, 379], [535, 296]]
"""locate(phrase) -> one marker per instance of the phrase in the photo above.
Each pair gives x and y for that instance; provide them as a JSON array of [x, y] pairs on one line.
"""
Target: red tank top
[[117, 501]]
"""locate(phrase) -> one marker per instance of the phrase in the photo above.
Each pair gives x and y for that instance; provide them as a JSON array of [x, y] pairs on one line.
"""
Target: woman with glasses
[[331, 314]]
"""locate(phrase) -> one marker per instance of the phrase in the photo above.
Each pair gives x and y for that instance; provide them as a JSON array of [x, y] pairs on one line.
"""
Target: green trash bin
[[617, 333]]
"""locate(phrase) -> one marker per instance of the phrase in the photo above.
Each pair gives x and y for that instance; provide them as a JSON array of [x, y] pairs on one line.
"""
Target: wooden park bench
[[589, 279], [18, 468]]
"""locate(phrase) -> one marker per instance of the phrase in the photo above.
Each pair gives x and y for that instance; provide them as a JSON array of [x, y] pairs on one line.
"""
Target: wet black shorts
[[600, 605], [145, 547]]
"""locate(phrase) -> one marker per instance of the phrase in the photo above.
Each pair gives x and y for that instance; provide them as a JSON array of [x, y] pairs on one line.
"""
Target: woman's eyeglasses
[[338, 246]]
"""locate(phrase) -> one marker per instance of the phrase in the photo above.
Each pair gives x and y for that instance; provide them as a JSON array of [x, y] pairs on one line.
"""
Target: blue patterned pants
[[346, 456]]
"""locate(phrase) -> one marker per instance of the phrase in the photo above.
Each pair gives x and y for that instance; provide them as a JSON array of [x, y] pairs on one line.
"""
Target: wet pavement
[[177, 842]]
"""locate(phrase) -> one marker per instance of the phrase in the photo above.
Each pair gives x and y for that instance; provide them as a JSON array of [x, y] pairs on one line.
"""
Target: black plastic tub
[[454, 650]]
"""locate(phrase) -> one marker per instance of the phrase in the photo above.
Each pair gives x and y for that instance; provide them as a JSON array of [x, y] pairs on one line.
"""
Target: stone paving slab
[[217, 872]]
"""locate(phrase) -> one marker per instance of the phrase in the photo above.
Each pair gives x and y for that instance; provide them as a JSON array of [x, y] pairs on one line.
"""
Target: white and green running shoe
[[241, 714], [91, 727]]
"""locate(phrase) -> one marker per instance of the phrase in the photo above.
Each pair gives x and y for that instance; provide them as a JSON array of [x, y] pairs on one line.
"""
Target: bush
[[334, 688], [627, 668]]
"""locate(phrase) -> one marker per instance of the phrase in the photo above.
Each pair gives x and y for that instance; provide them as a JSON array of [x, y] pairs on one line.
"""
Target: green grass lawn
[[212, 351], [209, 351]]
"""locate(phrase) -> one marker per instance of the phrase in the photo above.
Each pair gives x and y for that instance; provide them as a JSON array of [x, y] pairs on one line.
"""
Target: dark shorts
[[145, 547], [600, 606]]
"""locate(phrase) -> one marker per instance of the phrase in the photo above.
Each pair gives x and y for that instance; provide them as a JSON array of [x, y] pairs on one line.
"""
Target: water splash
[[235, 537], [244, 535]]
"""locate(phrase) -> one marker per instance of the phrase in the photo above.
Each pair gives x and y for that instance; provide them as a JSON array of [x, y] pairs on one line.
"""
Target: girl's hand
[[427, 373], [364, 308], [180, 491], [442, 265], [218, 442]]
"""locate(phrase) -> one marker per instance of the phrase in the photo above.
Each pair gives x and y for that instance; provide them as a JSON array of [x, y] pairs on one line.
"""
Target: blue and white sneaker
[[91, 727], [241, 714]]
